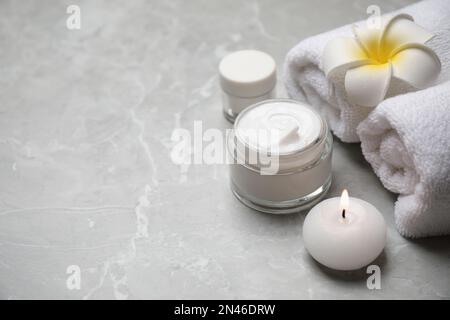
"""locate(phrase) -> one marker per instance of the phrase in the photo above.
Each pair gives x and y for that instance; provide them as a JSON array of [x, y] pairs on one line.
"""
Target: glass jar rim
[[325, 151]]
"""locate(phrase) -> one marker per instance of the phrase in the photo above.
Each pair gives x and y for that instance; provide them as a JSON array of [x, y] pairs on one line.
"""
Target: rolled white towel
[[305, 79], [406, 139]]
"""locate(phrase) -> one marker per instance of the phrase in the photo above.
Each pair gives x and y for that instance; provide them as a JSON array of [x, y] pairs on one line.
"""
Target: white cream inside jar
[[282, 156]]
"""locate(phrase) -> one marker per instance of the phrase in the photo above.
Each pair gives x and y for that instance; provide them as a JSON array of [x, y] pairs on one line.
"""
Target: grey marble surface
[[86, 178]]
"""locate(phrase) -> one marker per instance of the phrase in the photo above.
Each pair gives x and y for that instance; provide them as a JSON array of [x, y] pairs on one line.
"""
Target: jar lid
[[247, 73], [288, 131]]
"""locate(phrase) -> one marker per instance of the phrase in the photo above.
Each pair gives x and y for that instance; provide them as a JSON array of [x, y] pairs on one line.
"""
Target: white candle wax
[[344, 240]]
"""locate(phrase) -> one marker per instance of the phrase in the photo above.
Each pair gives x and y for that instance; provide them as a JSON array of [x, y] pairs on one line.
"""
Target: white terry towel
[[305, 80], [406, 139]]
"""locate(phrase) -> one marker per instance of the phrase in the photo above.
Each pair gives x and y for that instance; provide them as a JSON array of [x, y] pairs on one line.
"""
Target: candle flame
[[344, 201]]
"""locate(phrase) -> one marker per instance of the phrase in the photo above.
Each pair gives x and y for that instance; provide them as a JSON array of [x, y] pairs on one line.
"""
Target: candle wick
[[343, 213]]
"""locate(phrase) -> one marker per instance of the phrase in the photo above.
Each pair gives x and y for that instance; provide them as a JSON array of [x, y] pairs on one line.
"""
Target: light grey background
[[86, 118]]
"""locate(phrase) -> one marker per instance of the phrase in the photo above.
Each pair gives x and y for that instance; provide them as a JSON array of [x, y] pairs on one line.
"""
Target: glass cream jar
[[281, 156], [246, 77]]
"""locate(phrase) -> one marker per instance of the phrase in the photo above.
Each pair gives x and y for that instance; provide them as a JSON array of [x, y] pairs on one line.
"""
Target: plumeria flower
[[374, 57]]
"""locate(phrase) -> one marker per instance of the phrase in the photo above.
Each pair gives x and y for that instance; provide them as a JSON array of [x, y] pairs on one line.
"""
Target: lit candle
[[344, 233]]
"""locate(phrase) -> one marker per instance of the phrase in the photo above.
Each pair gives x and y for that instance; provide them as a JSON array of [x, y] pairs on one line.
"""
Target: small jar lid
[[247, 73], [289, 130]]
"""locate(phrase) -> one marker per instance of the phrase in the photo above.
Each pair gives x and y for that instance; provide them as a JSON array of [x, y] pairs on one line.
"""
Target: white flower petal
[[341, 54], [401, 31], [418, 65], [367, 85], [369, 37]]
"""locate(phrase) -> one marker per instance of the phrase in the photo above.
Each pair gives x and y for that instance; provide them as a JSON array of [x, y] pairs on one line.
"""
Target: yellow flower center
[[380, 53]]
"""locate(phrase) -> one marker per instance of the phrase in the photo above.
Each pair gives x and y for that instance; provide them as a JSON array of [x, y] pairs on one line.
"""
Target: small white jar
[[284, 172], [246, 77]]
